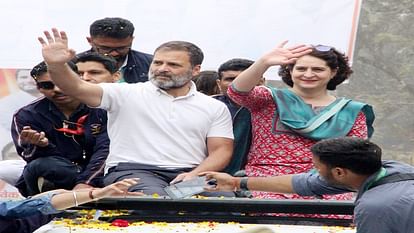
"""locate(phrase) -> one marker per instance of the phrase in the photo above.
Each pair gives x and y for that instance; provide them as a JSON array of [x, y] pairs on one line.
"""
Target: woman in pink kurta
[[278, 148]]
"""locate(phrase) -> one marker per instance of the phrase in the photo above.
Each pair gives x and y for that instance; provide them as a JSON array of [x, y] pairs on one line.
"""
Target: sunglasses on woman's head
[[322, 48], [47, 85]]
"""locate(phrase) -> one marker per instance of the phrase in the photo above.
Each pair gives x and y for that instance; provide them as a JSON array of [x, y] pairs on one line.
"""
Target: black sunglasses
[[47, 85]]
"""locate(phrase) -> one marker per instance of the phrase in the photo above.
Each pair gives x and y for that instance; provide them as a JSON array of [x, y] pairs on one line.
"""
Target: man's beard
[[175, 81], [328, 178]]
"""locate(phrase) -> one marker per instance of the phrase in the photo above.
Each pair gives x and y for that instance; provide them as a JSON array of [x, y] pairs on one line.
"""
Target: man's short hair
[[117, 28], [194, 52], [41, 69], [108, 62], [358, 155], [235, 64]]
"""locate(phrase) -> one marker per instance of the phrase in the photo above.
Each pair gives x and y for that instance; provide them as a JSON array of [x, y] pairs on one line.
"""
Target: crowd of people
[[112, 115]]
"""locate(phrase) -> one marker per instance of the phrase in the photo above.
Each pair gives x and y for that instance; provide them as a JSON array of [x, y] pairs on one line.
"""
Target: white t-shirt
[[146, 125]]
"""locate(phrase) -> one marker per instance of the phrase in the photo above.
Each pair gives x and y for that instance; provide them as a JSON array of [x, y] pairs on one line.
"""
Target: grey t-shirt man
[[383, 209]]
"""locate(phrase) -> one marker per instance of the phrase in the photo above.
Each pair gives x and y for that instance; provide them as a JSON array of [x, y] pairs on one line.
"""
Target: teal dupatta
[[298, 116]]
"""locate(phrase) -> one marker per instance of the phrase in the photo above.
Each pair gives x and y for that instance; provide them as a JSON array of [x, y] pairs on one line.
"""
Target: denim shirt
[[27, 207]]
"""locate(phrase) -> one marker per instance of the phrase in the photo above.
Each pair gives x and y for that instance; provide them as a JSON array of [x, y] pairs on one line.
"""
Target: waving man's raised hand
[[55, 47]]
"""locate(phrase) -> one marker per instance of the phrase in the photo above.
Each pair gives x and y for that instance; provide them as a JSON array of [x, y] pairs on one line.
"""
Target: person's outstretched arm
[[304, 184], [249, 78], [53, 201], [226, 182], [56, 54], [73, 198]]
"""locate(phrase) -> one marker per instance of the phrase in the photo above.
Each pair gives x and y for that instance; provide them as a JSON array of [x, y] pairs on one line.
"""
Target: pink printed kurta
[[283, 152]]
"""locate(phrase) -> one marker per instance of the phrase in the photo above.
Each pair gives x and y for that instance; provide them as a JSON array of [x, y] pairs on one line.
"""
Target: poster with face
[[17, 89]]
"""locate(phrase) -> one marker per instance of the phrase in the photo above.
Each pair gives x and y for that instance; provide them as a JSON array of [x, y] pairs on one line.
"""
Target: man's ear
[[89, 40], [196, 70], [116, 76], [339, 172], [218, 84]]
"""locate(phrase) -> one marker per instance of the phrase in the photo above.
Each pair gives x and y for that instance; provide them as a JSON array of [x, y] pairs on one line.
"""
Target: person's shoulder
[[383, 198], [225, 100], [97, 111], [393, 166], [96, 121], [84, 52], [220, 97], [140, 54], [32, 110], [372, 201], [123, 90], [208, 101], [36, 105], [205, 97]]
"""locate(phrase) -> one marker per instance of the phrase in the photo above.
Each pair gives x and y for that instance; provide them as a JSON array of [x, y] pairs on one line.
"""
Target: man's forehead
[[109, 41], [87, 65], [230, 73], [163, 54]]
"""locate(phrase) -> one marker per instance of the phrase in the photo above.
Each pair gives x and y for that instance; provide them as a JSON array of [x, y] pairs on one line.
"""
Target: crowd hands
[[235, 128]]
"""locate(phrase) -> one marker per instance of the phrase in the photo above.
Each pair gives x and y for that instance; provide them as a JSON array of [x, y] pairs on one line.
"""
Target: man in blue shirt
[[113, 37], [242, 126], [62, 140], [385, 200]]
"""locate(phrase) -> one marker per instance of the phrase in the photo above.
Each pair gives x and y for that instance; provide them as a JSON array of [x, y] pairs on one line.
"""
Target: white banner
[[223, 29]]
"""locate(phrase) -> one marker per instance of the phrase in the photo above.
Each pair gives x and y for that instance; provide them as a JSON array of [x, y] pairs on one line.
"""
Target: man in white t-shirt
[[161, 131]]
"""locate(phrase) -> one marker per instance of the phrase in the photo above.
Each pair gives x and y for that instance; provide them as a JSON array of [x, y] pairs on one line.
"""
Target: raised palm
[[281, 55], [55, 48]]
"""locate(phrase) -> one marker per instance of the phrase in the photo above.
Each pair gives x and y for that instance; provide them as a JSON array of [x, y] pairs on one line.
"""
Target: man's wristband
[[243, 184]]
